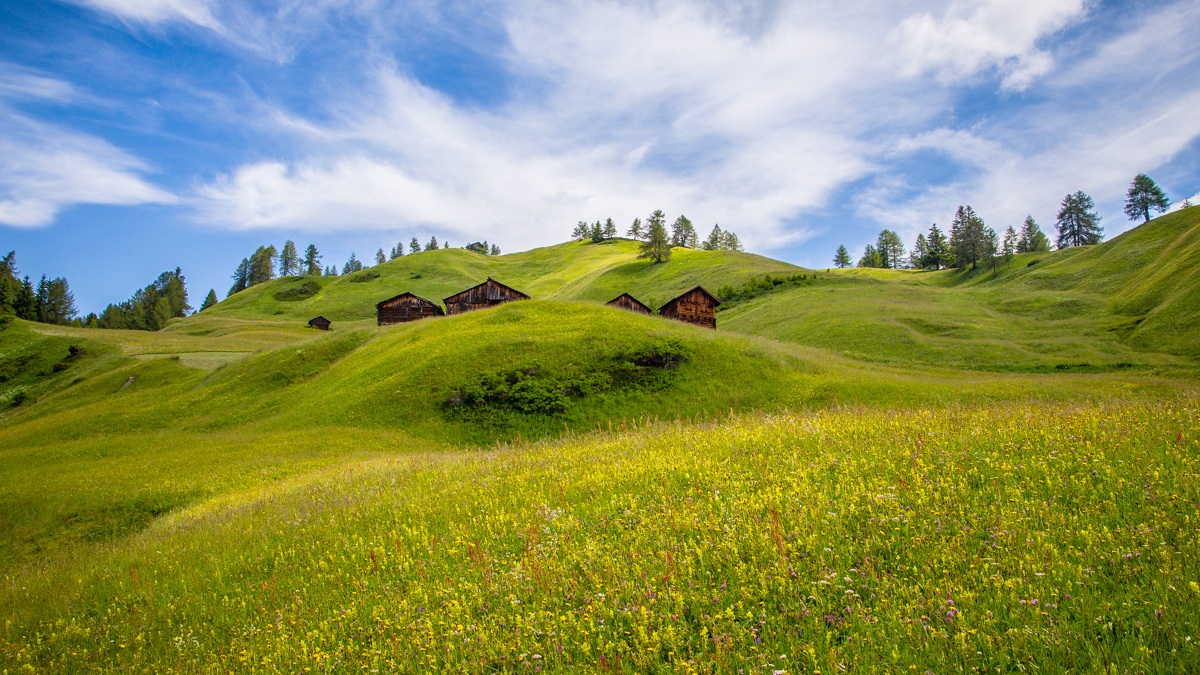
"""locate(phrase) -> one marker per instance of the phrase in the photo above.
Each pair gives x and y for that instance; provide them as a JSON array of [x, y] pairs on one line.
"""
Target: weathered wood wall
[[488, 294], [627, 301], [406, 307], [319, 322], [695, 306]]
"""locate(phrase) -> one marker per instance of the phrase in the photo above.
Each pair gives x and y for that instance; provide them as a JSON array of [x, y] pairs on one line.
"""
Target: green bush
[[302, 292]]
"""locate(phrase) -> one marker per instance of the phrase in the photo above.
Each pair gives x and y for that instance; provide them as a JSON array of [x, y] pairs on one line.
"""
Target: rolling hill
[[240, 492]]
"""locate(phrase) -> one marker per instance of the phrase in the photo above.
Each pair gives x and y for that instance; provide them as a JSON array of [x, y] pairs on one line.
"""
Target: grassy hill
[[240, 492]]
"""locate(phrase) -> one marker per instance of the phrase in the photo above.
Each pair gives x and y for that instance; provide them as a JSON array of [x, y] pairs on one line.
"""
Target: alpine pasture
[[859, 470]]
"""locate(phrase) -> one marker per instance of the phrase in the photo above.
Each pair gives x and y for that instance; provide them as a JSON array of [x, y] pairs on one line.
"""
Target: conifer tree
[[683, 233], [432, 244], [1078, 223], [937, 249], [730, 241], [870, 257], [967, 238], [495, 249], [289, 260], [25, 304], [890, 248], [414, 246], [262, 265], [919, 253], [1144, 196], [610, 229], [582, 231], [1031, 238], [1009, 246], [352, 265], [397, 251], [241, 277], [446, 244], [841, 259], [312, 261], [55, 301], [209, 300], [635, 230], [596, 232], [716, 239], [657, 246], [380, 258], [990, 248]]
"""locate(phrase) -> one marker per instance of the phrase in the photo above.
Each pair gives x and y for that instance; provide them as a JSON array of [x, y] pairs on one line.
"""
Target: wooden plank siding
[[405, 307], [696, 306], [320, 323], [488, 294], [627, 301]]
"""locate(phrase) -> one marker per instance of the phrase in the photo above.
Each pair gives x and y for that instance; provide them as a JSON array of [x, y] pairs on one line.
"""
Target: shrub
[[304, 291], [363, 277]]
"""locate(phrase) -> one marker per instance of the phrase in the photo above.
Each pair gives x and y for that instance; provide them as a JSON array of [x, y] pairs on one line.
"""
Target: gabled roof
[[635, 301], [489, 281], [397, 297], [690, 290], [318, 318]]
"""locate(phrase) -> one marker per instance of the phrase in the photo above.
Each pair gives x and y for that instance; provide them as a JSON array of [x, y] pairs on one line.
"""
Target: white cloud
[[199, 12], [44, 168], [971, 36]]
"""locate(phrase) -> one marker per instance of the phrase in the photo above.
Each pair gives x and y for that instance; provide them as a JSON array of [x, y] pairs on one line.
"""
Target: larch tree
[[289, 259], [432, 244], [937, 249], [1143, 197], [1008, 248], [1078, 223], [209, 300], [890, 248], [870, 257], [610, 229], [312, 261], [920, 251], [414, 246], [380, 257], [635, 230], [1031, 238]]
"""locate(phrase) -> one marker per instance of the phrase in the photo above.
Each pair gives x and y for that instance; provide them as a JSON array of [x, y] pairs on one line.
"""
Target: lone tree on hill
[[635, 230], [1032, 239], [1078, 223], [209, 300], [1144, 196], [657, 246], [842, 258]]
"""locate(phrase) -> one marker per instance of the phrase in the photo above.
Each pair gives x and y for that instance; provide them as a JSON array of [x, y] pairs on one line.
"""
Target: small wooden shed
[[320, 323], [627, 301], [405, 307], [487, 294], [696, 306]]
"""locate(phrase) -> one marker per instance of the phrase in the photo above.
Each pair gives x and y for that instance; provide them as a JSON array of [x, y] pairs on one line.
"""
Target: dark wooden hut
[[696, 306], [487, 294], [319, 322], [405, 307], [627, 301]]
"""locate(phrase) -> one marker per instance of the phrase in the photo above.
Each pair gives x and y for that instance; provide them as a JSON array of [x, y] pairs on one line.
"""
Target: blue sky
[[141, 135]]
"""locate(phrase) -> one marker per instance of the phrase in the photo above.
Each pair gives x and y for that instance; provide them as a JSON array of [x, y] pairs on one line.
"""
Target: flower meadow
[[978, 538]]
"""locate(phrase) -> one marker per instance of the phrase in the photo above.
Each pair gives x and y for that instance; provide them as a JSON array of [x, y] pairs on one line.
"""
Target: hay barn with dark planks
[[627, 301], [488, 294], [696, 306], [405, 307], [319, 322]]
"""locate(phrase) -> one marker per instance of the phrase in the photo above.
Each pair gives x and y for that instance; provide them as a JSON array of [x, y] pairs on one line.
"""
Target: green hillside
[[239, 492]]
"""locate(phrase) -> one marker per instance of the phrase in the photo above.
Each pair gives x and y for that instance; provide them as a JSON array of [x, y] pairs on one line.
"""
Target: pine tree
[[657, 246], [241, 277], [25, 305], [380, 256], [870, 257], [919, 253], [890, 248], [596, 233], [397, 251], [1078, 223], [209, 300], [966, 238], [1144, 196], [716, 239], [989, 248], [1009, 247], [55, 301], [635, 230], [289, 260], [582, 231], [841, 259], [610, 229], [1031, 238], [414, 246], [312, 261], [352, 265], [683, 233], [730, 241], [938, 249], [495, 249], [432, 244], [262, 265]]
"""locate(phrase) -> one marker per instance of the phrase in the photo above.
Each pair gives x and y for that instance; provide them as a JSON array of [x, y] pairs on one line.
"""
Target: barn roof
[[411, 295], [454, 298], [677, 298], [318, 319], [634, 300]]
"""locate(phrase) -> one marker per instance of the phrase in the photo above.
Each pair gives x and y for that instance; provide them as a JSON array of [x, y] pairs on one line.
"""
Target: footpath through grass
[[1014, 537]]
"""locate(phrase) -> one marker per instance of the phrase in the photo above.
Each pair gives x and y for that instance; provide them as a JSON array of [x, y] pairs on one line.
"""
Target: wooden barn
[[319, 322], [696, 306], [627, 301], [487, 294], [405, 307]]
